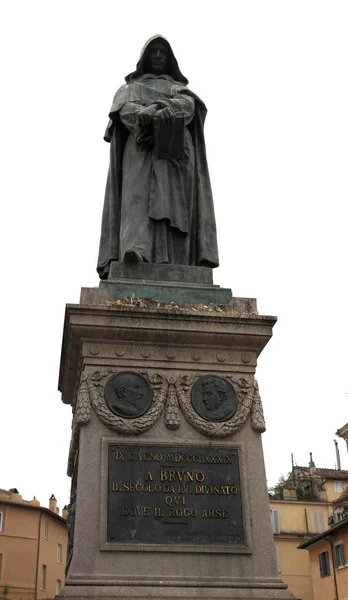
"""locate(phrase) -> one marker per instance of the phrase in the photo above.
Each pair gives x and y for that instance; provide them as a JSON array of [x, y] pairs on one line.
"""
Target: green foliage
[[276, 492], [342, 502], [5, 591]]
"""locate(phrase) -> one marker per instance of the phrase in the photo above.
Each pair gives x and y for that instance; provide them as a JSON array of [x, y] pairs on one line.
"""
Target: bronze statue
[[158, 203]]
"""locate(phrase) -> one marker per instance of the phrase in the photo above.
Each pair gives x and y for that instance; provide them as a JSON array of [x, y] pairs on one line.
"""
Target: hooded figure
[[158, 210]]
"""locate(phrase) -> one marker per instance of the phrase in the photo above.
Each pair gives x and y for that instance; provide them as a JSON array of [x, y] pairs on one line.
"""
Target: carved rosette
[[171, 395]]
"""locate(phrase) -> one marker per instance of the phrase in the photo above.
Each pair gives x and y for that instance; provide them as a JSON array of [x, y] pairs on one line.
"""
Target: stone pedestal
[[148, 550]]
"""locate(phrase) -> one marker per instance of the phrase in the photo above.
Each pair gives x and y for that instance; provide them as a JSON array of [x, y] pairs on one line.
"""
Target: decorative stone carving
[[169, 393], [248, 394], [145, 352], [120, 351], [128, 395], [82, 415], [214, 398], [257, 416], [127, 425], [172, 413], [94, 350]]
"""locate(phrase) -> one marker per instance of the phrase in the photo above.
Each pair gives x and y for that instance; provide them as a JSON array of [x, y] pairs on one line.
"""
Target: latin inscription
[[171, 495]]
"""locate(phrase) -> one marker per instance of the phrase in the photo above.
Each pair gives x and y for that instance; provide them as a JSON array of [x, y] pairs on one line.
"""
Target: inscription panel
[[169, 495]]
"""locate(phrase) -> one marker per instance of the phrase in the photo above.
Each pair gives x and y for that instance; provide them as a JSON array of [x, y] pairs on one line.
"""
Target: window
[[324, 565], [337, 516], [58, 586], [43, 577], [338, 552], [275, 521], [1, 520], [59, 553], [319, 521], [338, 487], [46, 530]]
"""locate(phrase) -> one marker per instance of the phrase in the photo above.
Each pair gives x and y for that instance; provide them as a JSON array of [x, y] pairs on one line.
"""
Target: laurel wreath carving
[[170, 393], [82, 416], [249, 402], [129, 426]]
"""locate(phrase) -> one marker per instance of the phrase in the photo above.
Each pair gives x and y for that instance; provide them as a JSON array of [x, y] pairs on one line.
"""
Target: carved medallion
[[128, 395], [172, 396], [214, 398]]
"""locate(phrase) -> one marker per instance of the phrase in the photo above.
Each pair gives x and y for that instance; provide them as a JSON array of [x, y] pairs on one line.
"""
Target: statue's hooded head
[[157, 45]]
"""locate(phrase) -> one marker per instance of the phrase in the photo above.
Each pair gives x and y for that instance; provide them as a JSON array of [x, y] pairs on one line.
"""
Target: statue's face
[[211, 396], [157, 58], [134, 393]]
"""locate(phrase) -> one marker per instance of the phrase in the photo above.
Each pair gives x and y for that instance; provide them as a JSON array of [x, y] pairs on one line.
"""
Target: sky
[[273, 75]]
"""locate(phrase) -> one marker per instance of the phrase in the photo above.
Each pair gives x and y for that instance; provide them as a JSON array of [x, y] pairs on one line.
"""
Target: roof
[[343, 431], [324, 534], [6, 498], [325, 473]]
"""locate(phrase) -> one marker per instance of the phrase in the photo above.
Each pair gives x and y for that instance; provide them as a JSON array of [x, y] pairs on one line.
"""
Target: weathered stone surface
[[172, 349]]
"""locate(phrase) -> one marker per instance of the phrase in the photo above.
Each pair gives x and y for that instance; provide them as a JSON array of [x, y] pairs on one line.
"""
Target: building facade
[[301, 509], [33, 542], [327, 553]]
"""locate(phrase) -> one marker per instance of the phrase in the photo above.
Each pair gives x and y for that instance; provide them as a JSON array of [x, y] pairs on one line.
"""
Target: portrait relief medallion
[[214, 398], [128, 395]]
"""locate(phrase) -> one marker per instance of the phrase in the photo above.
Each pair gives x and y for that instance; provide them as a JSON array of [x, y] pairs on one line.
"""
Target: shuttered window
[[43, 577], [59, 553], [275, 521], [319, 521], [46, 530], [339, 558], [324, 565]]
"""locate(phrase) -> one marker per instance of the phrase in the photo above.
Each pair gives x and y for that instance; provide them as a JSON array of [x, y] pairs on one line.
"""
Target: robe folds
[[162, 208]]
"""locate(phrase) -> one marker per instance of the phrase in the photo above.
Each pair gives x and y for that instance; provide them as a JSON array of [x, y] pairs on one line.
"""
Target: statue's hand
[[146, 115], [167, 114]]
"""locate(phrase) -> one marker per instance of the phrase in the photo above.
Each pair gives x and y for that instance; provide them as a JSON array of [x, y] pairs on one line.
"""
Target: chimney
[[65, 512], [15, 495], [338, 458], [53, 504], [312, 468], [34, 502]]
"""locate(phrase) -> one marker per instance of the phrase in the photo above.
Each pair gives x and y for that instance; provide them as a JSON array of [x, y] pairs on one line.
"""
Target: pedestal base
[[130, 473], [251, 590], [164, 283]]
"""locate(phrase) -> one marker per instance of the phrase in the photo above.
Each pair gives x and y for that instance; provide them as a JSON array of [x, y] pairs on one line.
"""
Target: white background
[[274, 77]]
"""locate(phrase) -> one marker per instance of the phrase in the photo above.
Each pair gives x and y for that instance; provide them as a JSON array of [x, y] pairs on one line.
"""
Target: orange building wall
[[323, 587], [18, 546], [48, 556], [24, 552]]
